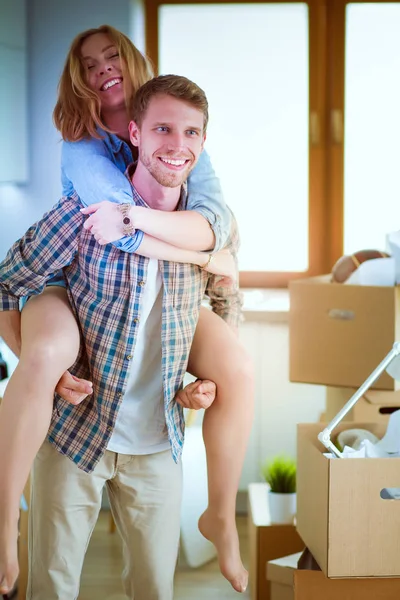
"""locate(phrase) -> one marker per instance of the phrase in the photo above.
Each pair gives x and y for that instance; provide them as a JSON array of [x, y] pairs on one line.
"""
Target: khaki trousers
[[145, 497]]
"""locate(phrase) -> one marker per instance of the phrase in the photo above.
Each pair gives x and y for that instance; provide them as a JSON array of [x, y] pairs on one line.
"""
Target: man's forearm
[[186, 229], [10, 329]]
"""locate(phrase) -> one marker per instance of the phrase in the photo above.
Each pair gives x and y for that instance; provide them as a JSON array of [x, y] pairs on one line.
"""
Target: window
[[372, 124], [255, 74], [296, 167]]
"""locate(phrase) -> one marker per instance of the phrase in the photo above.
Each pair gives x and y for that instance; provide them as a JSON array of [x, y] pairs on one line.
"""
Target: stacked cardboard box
[[339, 334], [375, 406], [341, 514], [288, 582]]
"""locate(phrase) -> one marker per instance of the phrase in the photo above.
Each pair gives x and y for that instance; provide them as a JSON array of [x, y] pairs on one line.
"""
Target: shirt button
[[109, 428], [136, 320], [141, 283], [119, 395], [128, 356]]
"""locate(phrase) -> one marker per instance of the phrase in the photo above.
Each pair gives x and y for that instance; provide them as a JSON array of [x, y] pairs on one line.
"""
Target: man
[[123, 303]]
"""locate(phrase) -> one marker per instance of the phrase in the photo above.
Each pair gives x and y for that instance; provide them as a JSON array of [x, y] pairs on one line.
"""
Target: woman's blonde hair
[[77, 113]]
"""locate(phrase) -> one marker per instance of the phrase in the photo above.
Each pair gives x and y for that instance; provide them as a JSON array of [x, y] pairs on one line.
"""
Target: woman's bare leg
[[218, 355], [50, 344]]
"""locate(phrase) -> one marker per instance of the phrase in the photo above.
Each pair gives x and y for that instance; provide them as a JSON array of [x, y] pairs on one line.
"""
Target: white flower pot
[[282, 507]]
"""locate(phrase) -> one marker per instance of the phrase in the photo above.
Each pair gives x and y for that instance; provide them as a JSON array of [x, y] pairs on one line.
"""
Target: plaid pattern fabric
[[105, 288]]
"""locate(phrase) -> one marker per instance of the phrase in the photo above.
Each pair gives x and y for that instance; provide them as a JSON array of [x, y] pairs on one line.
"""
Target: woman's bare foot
[[224, 536], [8, 556]]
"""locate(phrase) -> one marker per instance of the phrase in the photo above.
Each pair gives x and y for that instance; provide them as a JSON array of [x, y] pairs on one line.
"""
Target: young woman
[[103, 70]]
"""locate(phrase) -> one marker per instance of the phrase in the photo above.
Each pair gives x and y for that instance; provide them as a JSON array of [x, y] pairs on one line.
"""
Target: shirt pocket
[[105, 271]]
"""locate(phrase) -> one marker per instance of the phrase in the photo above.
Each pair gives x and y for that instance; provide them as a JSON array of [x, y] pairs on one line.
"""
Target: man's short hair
[[176, 86]]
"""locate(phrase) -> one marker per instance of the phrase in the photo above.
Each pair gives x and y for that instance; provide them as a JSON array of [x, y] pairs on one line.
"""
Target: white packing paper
[[377, 271]]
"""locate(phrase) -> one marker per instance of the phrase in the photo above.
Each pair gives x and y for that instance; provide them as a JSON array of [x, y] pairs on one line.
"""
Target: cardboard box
[[290, 583], [371, 412], [383, 398], [375, 406], [336, 398], [266, 541], [350, 530], [339, 333]]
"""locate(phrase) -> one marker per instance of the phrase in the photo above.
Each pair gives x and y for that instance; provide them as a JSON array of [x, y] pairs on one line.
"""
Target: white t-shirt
[[140, 427]]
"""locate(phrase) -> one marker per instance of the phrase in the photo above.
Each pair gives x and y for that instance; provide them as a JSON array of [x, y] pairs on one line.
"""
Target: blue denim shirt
[[88, 168]]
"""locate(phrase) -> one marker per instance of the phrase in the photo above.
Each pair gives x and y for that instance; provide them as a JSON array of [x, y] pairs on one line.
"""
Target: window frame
[[336, 65], [319, 239]]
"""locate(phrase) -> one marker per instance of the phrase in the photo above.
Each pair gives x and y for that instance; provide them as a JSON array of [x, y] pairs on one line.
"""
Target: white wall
[[13, 91], [51, 28], [279, 404]]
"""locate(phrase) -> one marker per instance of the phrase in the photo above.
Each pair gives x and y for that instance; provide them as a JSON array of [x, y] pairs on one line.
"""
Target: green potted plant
[[280, 474]]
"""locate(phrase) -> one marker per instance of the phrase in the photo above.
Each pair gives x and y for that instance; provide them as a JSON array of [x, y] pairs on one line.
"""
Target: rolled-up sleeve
[[227, 301], [205, 197], [7, 300], [87, 169], [47, 246]]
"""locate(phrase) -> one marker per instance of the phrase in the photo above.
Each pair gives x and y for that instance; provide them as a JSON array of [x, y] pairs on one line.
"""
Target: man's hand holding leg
[[72, 389], [198, 394]]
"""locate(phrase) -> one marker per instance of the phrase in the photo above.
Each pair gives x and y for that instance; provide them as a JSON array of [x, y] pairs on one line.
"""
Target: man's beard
[[161, 175]]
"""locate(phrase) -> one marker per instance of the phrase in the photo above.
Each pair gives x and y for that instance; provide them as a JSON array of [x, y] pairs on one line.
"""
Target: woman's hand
[[222, 263], [105, 222]]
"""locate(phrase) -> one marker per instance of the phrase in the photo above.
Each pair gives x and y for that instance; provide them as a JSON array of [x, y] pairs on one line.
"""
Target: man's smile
[[175, 164]]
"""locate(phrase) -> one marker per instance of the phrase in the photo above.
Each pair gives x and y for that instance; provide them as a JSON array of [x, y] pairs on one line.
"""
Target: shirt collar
[[111, 140]]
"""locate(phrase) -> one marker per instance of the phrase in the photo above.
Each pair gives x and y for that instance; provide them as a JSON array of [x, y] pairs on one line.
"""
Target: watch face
[[126, 221]]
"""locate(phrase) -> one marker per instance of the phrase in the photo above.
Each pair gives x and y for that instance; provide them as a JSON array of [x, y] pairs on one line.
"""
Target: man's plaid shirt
[[105, 288]]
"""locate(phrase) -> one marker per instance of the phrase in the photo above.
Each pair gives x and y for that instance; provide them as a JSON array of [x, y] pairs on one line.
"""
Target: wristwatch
[[127, 225]]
